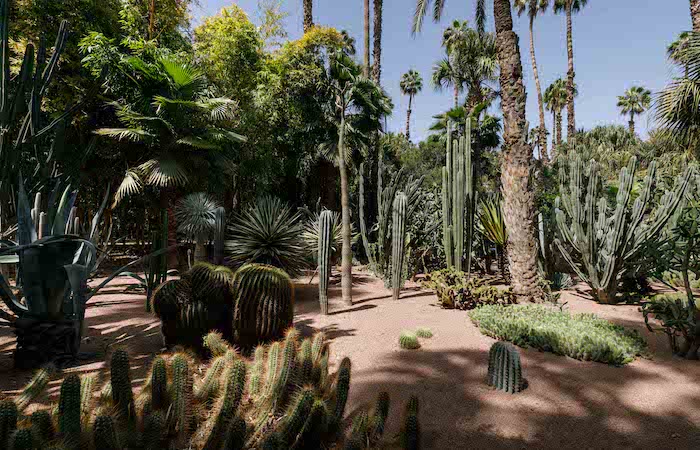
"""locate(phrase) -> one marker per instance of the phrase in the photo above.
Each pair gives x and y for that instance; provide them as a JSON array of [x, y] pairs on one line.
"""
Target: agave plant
[[195, 215], [493, 228], [267, 233]]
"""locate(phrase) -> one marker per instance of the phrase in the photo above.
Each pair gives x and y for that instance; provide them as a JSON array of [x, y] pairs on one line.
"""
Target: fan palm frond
[[163, 173], [198, 143], [129, 134], [130, 185]]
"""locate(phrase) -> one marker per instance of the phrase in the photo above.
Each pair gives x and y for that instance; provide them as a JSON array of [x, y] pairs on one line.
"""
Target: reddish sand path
[[649, 404]]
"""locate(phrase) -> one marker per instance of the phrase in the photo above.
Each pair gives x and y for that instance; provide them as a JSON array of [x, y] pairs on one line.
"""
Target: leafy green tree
[[164, 21], [569, 7], [411, 84], [635, 101], [533, 9]]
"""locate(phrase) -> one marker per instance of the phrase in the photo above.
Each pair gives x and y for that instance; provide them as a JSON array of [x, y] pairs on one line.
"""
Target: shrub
[[675, 316], [457, 290], [580, 336]]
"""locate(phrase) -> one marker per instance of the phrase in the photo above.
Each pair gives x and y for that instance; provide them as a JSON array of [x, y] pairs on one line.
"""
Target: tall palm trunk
[[377, 50], [151, 19], [456, 93], [308, 15], [570, 114], [559, 128], [408, 118], [631, 123], [518, 198], [367, 36], [695, 14], [554, 136], [540, 103], [346, 255]]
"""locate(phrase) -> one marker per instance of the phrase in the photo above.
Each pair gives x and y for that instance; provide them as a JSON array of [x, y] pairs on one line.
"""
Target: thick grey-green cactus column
[[446, 227], [606, 245], [398, 237], [325, 244], [219, 235]]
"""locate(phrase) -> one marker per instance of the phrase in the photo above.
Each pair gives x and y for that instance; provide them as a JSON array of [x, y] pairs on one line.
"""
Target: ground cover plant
[[580, 336], [458, 290]]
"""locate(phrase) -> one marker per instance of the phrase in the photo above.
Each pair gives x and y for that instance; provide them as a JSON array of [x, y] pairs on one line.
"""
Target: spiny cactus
[[325, 245], [257, 372], [606, 245], [210, 282], [235, 379], [42, 426], [408, 340], [410, 432], [22, 439], [35, 387], [87, 389], [208, 388], [458, 200], [215, 343], [505, 371], [154, 431], [104, 434], [342, 389], [423, 332], [69, 410], [398, 237], [299, 411], [120, 378], [8, 421], [235, 434], [181, 406], [379, 417], [159, 384], [264, 305]]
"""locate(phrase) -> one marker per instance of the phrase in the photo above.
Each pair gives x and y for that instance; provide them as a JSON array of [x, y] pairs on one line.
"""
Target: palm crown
[[635, 101], [411, 83], [575, 5], [555, 95], [532, 7]]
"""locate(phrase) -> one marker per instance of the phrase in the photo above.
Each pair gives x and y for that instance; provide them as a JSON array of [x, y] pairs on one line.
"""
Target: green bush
[[457, 290], [580, 336], [676, 317]]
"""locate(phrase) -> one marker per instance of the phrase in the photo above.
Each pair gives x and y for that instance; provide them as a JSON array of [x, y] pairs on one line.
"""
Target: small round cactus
[[505, 371], [424, 332], [408, 340]]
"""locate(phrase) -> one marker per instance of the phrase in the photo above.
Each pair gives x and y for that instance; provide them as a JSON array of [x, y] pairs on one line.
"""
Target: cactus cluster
[[505, 370], [285, 399], [458, 200], [607, 241], [325, 247]]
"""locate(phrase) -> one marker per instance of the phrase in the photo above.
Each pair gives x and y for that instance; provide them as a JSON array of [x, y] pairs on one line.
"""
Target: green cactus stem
[[398, 251], [505, 370], [325, 245]]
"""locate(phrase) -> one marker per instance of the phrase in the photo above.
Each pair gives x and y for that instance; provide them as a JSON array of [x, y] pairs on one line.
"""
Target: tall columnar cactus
[[458, 200], [69, 409], [264, 304], [120, 378], [398, 237], [607, 241], [8, 421], [325, 245], [505, 370], [410, 432], [104, 434]]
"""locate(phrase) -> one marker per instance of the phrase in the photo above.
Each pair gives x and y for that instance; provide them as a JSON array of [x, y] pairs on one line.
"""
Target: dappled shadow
[[332, 331]]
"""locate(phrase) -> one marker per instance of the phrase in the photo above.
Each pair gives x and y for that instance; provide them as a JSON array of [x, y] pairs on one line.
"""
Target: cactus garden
[[304, 224]]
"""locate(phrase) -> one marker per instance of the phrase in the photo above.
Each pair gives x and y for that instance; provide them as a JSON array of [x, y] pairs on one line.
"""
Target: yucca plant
[[195, 215], [493, 228], [311, 234], [269, 232]]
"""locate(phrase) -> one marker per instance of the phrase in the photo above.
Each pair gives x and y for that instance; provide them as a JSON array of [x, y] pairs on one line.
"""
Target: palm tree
[[351, 91], [555, 100], [367, 38], [308, 15], [569, 7], [676, 48], [519, 202], [446, 75], [535, 8], [196, 218], [411, 84], [695, 14], [377, 50], [635, 101]]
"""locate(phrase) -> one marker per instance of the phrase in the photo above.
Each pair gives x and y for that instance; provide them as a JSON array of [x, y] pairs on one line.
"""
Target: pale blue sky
[[617, 44]]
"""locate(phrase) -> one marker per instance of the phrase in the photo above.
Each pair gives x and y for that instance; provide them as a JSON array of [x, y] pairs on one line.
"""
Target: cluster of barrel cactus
[[458, 200], [251, 305], [505, 370], [285, 398], [607, 241]]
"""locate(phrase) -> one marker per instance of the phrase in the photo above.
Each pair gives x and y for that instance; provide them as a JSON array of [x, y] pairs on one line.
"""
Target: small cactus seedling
[[505, 370], [423, 332], [408, 341]]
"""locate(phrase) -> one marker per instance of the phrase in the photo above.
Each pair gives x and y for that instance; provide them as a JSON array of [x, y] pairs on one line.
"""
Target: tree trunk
[[695, 14], [553, 153], [456, 93], [408, 118], [166, 201], [200, 249], [540, 103], [346, 281], [559, 129], [570, 114], [308, 15], [631, 123], [518, 198], [377, 50], [151, 19], [367, 37]]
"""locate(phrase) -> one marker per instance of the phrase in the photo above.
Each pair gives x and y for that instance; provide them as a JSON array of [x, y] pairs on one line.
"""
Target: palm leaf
[[130, 134], [163, 173], [131, 184]]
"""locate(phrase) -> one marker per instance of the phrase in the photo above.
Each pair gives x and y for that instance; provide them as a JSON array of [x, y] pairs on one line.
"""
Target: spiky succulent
[[408, 340]]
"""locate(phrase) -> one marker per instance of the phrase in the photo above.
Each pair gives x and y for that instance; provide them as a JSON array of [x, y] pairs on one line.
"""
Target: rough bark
[[456, 93], [377, 42], [346, 255], [559, 128], [408, 118], [518, 198], [631, 123], [695, 14], [367, 38], [308, 15], [540, 102], [570, 114]]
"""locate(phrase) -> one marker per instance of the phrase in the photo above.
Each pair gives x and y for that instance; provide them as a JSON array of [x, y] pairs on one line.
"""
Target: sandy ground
[[649, 404]]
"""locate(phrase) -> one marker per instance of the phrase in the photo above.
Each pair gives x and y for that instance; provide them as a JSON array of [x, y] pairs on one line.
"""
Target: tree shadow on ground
[[458, 410]]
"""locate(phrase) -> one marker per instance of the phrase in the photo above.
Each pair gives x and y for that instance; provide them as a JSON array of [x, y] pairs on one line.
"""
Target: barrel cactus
[[264, 304], [505, 370]]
